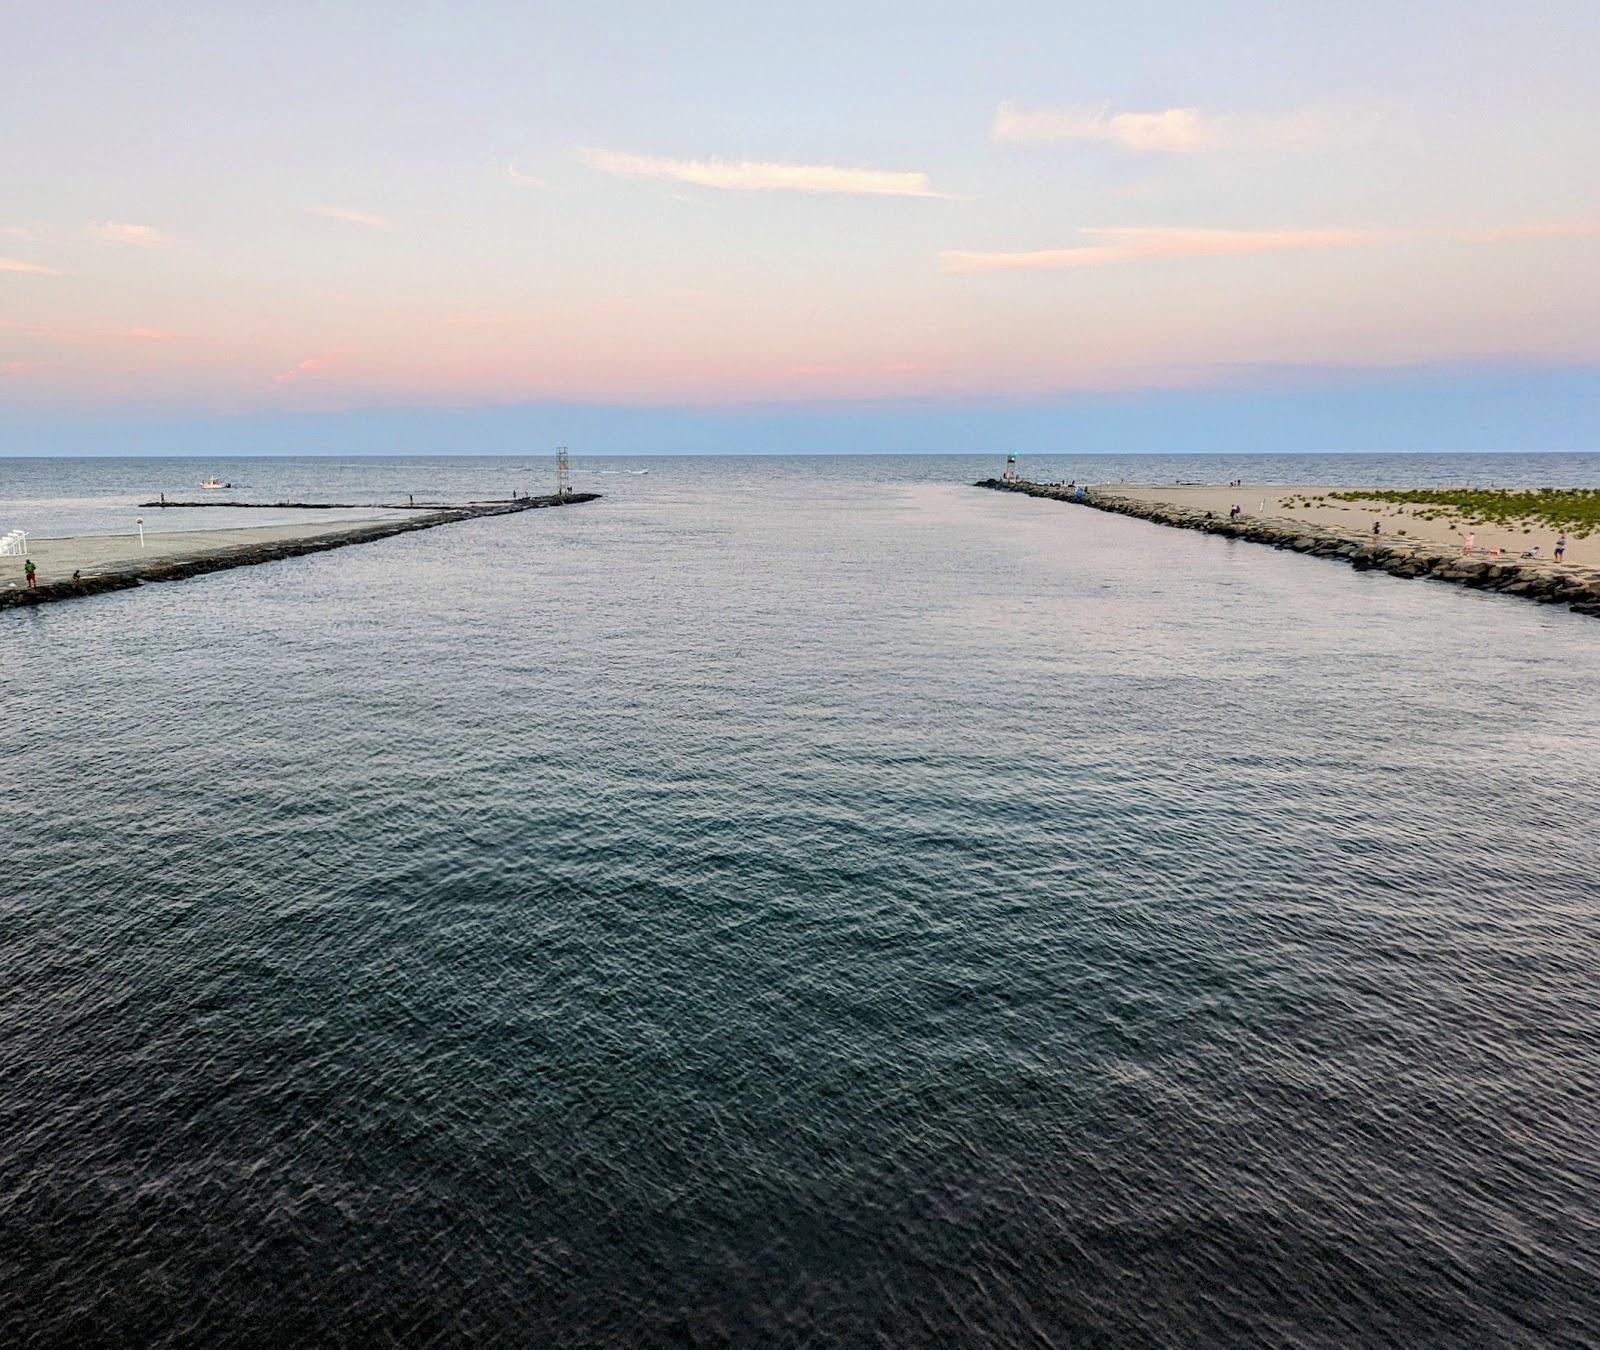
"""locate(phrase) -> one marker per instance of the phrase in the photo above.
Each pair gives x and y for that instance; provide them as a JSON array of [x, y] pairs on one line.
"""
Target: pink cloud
[[1124, 244], [140, 236], [12, 368], [817, 370], [351, 216], [1141, 243], [312, 365], [748, 175], [1508, 234], [53, 333], [32, 269]]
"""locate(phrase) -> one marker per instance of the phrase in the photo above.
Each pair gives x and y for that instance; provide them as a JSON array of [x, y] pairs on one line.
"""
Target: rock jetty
[[125, 576], [164, 505], [1578, 589]]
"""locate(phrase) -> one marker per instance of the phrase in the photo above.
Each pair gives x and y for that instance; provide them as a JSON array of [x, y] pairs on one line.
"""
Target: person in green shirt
[[28, 570]]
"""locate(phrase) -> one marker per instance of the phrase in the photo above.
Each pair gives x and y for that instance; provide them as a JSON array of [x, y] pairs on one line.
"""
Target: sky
[[426, 228]]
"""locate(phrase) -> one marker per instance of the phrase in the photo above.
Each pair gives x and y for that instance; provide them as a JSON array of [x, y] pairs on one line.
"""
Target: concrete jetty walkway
[[117, 562], [1576, 586]]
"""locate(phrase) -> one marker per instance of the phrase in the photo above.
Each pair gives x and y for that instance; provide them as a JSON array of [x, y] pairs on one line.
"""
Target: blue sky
[[642, 227]]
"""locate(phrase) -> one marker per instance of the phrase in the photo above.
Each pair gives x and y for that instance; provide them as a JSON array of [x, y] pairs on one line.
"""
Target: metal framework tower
[[563, 472]]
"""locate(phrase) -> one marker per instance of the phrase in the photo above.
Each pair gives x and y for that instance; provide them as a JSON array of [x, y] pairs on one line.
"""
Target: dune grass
[[1576, 510]]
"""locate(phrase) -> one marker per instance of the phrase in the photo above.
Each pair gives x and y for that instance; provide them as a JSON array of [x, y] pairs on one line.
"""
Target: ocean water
[[801, 902]]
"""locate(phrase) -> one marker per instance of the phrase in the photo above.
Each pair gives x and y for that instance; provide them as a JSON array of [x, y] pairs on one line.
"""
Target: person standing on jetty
[[32, 573], [1561, 545]]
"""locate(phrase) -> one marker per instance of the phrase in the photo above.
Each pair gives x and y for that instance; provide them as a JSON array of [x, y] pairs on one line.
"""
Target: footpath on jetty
[[119, 562], [1575, 585]]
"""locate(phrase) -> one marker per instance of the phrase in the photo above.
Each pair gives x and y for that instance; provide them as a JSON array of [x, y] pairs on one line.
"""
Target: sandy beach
[[1398, 524]]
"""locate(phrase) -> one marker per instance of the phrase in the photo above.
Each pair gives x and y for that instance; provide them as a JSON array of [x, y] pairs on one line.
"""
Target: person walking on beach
[[1471, 541], [32, 573], [1561, 545]]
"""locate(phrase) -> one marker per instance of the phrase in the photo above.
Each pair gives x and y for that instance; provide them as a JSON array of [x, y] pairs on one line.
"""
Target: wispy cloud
[[1125, 244], [1511, 234], [480, 321], [1187, 131], [312, 365], [58, 333], [351, 216], [119, 232], [814, 370], [1172, 131], [33, 269], [521, 179], [749, 175], [18, 368], [1140, 243]]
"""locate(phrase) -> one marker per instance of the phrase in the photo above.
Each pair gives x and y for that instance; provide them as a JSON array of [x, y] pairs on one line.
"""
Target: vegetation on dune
[[1576, 510]]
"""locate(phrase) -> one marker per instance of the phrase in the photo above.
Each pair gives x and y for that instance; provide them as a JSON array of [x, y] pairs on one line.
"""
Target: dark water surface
[[793, 904]]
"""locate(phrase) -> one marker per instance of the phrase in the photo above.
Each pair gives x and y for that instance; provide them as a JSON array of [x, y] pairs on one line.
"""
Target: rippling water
[[798, 903]]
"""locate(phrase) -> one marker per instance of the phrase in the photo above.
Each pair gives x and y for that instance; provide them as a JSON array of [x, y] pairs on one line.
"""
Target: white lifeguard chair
[[13, 544], [1011, 468]]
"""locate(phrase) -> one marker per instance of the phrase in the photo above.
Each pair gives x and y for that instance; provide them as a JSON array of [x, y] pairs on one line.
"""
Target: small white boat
[[214, 482]]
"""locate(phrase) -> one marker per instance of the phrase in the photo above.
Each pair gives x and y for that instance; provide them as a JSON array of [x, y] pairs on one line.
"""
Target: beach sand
[[1400, 524]]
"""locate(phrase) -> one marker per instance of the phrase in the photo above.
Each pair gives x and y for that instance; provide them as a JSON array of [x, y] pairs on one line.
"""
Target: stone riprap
[[221, 555], [1549, 583]]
